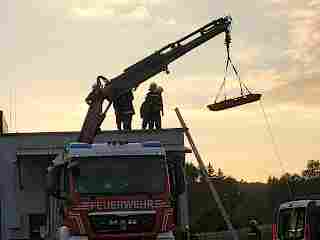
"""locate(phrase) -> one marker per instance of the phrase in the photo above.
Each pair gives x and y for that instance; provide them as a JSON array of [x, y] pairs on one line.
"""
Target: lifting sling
[[246, 96]]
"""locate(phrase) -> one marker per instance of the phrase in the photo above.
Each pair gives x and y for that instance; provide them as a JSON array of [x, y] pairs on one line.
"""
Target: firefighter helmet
[[153, 87], [160, 89]]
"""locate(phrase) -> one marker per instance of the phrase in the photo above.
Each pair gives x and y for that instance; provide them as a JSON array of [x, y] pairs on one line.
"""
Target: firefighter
[[152, 107], [144, 114], [145, 109], [160, 113], [124, 110]]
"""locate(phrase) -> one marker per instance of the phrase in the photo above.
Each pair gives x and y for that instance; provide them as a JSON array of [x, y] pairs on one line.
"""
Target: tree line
[[242, 200]]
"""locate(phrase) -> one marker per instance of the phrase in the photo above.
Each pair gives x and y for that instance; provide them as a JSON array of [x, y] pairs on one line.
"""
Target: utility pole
[[206, 177]]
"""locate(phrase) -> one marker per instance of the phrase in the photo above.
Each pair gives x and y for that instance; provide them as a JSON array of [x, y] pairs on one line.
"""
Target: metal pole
[[205, 175]]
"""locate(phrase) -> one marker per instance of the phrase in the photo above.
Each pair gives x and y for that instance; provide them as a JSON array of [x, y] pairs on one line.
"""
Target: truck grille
[[113, 223]]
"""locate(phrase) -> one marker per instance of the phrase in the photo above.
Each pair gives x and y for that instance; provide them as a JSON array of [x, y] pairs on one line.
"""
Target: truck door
[[291, 224], [313, 221]]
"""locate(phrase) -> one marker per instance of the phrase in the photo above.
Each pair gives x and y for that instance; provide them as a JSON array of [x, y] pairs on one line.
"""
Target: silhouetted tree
[[220, 173], [192, 172], [312, 169], [205, 214], [210, 170], [244, 200]]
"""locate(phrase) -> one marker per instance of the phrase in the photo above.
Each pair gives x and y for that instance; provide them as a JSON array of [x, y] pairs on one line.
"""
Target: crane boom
[[141, 71]]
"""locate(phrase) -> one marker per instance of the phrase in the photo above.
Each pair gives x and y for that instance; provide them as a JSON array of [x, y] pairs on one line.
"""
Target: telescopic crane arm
[[141, 71]]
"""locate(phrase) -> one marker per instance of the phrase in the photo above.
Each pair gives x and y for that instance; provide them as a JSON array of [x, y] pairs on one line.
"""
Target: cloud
[[304, 37], [93, 12], [138, 13], [304, 93], [120, 11]]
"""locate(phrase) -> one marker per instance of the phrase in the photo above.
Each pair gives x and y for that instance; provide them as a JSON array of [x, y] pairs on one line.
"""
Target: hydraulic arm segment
[[142, 71]]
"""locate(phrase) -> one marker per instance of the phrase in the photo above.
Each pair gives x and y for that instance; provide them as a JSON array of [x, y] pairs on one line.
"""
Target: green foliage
[[192, 172], [243, 200], [205, 215]]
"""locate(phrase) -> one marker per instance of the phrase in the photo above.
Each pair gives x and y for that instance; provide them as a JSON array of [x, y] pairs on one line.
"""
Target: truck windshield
[[291, 223], [121, 175]]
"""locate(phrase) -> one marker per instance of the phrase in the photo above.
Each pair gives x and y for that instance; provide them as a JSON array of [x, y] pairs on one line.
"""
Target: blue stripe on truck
[[151, 144], [80, 146]]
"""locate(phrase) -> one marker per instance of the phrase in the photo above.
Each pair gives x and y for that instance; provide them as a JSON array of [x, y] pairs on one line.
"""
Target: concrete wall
[[32, 152], [31, 197], [8, 181]]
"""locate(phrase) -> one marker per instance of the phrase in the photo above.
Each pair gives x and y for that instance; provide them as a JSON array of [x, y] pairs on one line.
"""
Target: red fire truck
[[118, 190]]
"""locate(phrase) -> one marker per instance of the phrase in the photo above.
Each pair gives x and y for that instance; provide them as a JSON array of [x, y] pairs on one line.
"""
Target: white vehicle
[[297, 220]]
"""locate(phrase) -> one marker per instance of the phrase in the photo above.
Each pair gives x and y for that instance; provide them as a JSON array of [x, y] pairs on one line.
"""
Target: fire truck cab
[[297, 220], [115, 191]]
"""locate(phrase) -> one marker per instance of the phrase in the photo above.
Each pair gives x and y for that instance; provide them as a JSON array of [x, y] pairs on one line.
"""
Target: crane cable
[[275, 147], [229, 62]]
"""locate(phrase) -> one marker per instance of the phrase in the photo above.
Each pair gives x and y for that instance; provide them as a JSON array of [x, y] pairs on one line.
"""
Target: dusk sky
[[52, 51]]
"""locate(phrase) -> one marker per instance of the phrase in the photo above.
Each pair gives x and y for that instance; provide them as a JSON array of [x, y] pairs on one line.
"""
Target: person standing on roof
[[152, 107], [160, 106], [145, 109], [144, 114], [124, 110]]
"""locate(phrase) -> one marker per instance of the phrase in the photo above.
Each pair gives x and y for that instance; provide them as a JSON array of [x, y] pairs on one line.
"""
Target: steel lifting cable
[[228, 63], [223, 83], [227, 43], [241, 84], [275, 148]]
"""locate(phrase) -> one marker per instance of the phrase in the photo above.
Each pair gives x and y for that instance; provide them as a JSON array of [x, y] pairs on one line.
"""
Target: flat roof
[[37, 143], [138, 131]]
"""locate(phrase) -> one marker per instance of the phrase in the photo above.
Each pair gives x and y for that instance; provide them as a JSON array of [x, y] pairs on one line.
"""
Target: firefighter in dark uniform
[[124, 110], [152, 108], [144, 114], [158, 123]]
